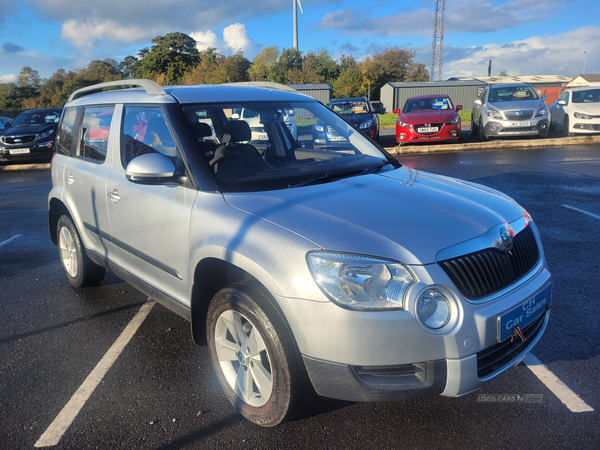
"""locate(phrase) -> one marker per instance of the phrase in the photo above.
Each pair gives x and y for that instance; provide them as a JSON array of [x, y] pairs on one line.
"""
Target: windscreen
[[512, 93], [265, 145], [587, 96]]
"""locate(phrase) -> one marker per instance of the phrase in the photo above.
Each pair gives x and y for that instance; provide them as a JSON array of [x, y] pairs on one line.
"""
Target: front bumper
[[28, 152], [507, 128], [448, 133]]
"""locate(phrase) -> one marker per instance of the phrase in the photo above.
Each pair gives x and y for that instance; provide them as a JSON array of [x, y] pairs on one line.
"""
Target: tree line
[[174, 59]]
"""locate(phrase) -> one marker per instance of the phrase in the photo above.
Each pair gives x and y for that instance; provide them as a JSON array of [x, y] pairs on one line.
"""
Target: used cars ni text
[[510, 110], [306, 269], [577, 110], [30, 136], [428, 118]]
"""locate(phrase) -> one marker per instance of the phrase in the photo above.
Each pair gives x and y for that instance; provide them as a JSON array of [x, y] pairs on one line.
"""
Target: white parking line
[[10, 239], [595, 216], [65, 418], [558, 388]]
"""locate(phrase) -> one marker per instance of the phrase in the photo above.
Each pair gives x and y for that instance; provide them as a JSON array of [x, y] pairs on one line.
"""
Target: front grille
[[517, 129], [497, 356], [525, 115], [484, 272], [428, 125], [19, 139]]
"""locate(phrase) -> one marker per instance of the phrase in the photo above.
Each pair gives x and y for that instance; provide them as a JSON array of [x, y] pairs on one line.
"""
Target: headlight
[[403, 124], [319, 128], [582, 116], [493, 114], [433, 309], [542, 112], [366, 124], [44, 134], [453, 121], [360, 282]]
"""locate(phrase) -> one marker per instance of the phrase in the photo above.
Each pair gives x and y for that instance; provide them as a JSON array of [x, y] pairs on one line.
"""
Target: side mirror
[[396, 111], [291, 112], [376, 111], [148, 168], [478, 102], [562, 102], [235, 116], [7, 124], [459, 107], [544, 98]]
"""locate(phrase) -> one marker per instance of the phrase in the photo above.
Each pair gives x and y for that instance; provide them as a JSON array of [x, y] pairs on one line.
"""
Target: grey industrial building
[[320, 91]]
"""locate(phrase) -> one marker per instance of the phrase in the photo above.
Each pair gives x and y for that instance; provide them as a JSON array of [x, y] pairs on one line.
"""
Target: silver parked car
[[510, 110], [304, 268]]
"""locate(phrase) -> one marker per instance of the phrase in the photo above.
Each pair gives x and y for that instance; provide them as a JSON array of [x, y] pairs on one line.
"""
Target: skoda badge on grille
[[506, 234]]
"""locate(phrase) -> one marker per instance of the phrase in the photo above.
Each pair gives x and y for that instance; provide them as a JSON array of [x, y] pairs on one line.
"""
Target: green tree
[[289, 60], [264, 64], [349, 84], [171, 55], [319, 67]]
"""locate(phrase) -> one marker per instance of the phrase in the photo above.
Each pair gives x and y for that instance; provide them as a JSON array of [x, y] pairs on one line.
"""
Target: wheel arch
[[56, 209]]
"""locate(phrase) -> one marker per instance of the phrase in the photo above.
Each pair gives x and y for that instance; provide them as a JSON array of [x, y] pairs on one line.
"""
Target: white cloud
[[11, 78], [559, 54], [235, 38], [83, 34]]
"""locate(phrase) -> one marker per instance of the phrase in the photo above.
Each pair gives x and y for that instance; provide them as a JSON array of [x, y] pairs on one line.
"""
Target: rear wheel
[[79, 268], [255, 357]]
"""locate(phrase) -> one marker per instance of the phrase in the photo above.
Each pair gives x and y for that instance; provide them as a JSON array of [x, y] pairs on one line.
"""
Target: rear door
[[86, 174]]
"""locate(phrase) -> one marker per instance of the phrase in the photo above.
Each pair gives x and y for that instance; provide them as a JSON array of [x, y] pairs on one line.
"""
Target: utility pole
[[437, 45], [584, 59]]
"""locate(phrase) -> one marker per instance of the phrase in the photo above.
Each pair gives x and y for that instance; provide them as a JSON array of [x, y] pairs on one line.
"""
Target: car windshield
[[587, 96], [350, 107], [30, 118], [253, 148], [427, 104], [512, 93]]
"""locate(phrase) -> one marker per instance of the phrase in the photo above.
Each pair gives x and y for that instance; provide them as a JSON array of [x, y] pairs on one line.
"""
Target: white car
[[257, 128], [577, 110]]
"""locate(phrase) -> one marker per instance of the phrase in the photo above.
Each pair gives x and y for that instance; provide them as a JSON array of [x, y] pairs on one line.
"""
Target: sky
[[521, 37]]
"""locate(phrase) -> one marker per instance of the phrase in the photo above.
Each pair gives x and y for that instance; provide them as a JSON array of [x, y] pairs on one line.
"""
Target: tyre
[[481, 133], [255, 357], [474, 127], [565, 127], [79, 268]]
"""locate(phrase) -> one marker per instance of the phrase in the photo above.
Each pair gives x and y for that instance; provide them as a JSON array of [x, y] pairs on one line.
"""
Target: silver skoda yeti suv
[[305, 268]]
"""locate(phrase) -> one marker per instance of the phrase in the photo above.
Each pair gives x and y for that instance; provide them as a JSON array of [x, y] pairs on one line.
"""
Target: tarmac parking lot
[[106, 367]]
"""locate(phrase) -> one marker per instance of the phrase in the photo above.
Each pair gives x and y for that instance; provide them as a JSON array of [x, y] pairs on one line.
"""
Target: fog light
[[402, 136], [453, 134], [493, 129], [543, 126], [433, 309]]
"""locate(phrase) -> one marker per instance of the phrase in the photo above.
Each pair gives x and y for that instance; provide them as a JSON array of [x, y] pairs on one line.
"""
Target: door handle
[[70, 179], [114, 196]]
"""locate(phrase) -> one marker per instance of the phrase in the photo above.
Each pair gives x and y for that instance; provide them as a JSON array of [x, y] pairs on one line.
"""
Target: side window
[[64, 136], [95, 129], [145, 130]]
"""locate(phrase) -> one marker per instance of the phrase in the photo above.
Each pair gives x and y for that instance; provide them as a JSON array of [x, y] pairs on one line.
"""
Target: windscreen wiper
[[330, 176]]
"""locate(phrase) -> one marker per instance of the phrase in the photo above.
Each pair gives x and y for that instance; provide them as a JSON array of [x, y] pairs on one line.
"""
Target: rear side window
[[65, 132], [95, 129]]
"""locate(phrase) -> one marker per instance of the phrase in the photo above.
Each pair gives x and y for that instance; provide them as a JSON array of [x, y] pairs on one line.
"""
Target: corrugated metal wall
[[321, 92], [394, 95]]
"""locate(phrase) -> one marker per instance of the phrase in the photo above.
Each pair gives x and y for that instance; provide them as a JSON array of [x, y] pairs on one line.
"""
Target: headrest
[[236, 131]]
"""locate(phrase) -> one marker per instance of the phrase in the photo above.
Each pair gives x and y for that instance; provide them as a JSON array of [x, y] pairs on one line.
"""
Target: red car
[[428, 118]]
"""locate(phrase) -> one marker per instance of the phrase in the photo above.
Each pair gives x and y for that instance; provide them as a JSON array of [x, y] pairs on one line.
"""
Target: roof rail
[[149, 86], [264, 84]]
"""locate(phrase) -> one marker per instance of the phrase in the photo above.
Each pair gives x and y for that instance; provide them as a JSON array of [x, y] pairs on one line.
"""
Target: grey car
[[510, 110], [336, 271]]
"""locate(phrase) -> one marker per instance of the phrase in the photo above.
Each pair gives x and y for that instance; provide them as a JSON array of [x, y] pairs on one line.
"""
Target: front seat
[[237, 133]]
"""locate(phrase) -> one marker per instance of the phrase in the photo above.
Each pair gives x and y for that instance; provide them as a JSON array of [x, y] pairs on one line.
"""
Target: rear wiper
[[330, 176]]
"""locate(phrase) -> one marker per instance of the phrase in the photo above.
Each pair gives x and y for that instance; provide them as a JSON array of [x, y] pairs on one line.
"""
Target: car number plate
[[427, 129], [519, 124], [524, 314], [18, 151], [337, 138]]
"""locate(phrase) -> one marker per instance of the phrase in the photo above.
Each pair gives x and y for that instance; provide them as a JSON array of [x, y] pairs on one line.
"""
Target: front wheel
[[481, 133], [255, 357], [565, 127], [474, 127], [79, 268]]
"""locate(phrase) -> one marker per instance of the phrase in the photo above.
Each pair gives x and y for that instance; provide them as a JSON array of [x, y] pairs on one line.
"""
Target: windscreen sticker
[[521, 94]]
